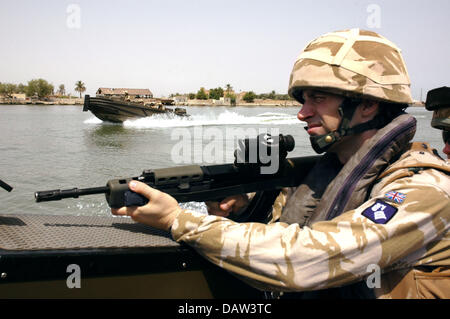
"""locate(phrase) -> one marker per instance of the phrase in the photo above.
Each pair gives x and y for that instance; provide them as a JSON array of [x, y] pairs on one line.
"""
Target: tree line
[[217, 93], [37, 87]]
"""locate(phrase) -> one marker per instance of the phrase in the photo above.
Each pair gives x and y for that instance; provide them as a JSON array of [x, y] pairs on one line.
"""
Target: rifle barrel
[[57, 194]]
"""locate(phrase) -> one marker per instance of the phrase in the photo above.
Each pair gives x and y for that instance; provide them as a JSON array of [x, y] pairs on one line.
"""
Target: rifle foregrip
[[120, 195], [134, 199]]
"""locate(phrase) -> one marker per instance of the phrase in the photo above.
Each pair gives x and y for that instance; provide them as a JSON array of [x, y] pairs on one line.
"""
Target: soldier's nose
[[305, 112]]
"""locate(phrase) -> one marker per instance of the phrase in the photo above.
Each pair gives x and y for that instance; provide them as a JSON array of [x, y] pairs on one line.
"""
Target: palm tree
[[272, 95], [79, 87], [62, 90], [228, 89]]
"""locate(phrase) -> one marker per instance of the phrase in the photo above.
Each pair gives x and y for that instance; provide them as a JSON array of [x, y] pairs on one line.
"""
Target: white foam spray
[[208, 119]]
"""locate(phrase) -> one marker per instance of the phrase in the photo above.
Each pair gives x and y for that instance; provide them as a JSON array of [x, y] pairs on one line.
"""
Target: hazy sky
[[179, 46]]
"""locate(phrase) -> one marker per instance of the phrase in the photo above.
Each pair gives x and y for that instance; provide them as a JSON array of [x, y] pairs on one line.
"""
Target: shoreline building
[[123, 92]]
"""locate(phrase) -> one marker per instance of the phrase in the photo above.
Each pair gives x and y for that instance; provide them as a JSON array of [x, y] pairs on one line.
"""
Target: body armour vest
[[332, 188]]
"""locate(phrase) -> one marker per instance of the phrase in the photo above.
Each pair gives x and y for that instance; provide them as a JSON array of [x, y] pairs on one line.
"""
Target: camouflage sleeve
[[279, 204], [383, 231]]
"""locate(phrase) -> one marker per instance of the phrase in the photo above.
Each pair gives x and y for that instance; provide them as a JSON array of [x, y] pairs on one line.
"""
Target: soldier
[[438, 101], [375, 203]]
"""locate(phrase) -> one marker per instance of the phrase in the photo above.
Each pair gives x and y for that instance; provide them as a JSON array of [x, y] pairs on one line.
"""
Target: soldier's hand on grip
[[160, 211], [233, 204]]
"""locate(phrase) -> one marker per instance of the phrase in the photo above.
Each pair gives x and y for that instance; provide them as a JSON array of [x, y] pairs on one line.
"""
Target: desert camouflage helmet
[[438, 101], [355, 63]]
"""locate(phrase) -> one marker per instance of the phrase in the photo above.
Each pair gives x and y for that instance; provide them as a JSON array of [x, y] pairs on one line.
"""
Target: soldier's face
[[320, 112]]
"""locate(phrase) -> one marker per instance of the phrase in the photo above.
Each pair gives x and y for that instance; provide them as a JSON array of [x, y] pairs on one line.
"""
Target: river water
[[60, 147]]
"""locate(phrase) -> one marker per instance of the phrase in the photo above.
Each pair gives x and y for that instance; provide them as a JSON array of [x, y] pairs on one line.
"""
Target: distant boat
[[118, 110]]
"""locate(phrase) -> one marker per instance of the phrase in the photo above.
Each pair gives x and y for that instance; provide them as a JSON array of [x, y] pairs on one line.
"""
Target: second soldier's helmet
[[438, 101], [356, 63]]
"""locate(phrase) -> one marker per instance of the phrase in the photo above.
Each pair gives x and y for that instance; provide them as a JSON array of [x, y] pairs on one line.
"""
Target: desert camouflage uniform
[[340, 251], [393, 213]]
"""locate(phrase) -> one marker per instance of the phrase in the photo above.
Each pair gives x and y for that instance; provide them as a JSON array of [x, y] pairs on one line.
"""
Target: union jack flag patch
[[396, 197]]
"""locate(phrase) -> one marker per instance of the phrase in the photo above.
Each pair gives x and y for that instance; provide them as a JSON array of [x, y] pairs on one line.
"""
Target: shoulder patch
[[396, 197], [380, 212]]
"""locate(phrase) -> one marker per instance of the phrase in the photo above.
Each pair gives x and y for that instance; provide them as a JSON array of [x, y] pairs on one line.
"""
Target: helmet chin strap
[[321, 143]]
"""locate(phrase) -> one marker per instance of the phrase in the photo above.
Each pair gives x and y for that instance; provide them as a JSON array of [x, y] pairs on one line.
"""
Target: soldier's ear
[[369, 108]]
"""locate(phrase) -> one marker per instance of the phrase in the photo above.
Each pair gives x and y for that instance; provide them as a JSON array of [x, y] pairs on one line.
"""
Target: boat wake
[[93, 120], [211, 119]]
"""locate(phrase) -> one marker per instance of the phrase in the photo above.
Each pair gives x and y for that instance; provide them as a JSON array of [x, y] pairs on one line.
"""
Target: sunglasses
[[446, 136]]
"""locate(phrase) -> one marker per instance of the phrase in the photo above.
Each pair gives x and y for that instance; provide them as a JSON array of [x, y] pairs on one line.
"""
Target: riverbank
[[256, 102], [208, 103], [53, 101]]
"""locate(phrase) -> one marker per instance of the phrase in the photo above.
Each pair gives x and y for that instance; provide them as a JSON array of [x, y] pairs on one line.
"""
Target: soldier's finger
[[143, 189], [214, 209], [123, 211], [227, 203]]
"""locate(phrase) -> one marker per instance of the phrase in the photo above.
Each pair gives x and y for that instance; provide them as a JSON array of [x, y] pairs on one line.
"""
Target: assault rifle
[[213, 182]]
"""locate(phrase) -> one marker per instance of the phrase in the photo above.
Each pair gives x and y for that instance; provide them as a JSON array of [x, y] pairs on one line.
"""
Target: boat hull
[[46, 256], [118, 111]]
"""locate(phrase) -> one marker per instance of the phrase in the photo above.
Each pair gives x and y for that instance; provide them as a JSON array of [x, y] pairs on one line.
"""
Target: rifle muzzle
[[57, 194]]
